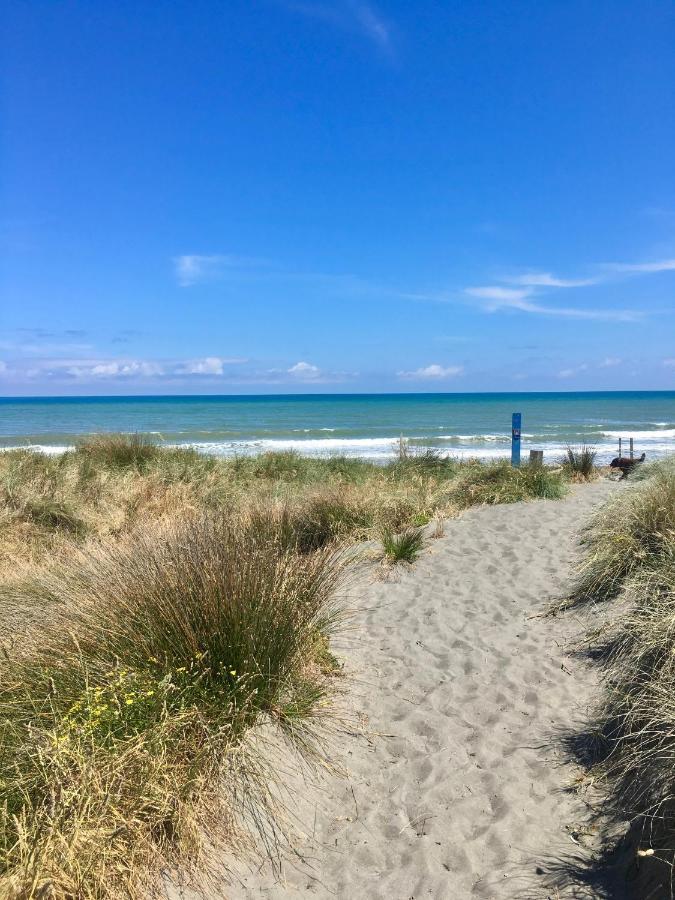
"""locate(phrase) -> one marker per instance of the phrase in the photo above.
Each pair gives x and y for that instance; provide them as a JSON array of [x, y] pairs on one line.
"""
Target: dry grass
[[163, 652], [159, 608], [498, 482], [631, 556], [109, 486], [634, 532]]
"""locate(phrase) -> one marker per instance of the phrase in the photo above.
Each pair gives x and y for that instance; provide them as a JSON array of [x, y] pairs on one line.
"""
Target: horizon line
[[316, 394]]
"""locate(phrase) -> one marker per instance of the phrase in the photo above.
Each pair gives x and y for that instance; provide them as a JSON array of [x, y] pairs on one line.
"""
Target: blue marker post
[[515, 439]]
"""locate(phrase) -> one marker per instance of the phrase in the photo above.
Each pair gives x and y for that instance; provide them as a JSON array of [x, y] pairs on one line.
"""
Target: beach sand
[[460, 786]]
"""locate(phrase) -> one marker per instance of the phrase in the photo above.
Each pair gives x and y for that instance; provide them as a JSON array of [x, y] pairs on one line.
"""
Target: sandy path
[[467, 796]]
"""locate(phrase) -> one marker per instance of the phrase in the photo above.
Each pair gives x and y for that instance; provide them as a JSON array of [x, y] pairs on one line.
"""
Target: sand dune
[[460, 791]]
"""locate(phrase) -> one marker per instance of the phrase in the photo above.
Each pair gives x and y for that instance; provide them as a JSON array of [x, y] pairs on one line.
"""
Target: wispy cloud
[[513, 298], [609, 362], [534, 283], [40, 342], [433, 372], [603, 272], [499, 295], [193, 268], [372, 24], [348, 15], [669, 363], [527, 292], [662, 265], [546, 279], [575, 370]]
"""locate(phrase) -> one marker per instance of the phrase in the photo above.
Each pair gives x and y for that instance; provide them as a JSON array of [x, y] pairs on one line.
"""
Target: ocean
[[365, 425]]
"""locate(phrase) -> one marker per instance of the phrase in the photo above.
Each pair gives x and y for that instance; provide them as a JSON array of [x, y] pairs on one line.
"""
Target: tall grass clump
[[119, 451], [499, 482], [579, 462], [125, 720], [630, 556], [32, 491], [637, 715], [634, 531], [428, 462], [403, 547]]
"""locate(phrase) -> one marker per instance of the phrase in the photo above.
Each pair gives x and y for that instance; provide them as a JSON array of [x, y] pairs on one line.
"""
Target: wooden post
[[619, 448], [536, 458], [515, 439], [631, 448]]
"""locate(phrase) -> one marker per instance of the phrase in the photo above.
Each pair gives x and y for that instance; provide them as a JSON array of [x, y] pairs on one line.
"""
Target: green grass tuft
[[119, 451], [403, 547], [580, 461]]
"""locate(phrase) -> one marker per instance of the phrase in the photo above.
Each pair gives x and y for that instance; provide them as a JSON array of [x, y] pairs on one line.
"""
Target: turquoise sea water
[[365, 425]]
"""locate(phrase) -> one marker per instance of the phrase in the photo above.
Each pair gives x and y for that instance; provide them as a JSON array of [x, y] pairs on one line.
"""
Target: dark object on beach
[[626, 464]]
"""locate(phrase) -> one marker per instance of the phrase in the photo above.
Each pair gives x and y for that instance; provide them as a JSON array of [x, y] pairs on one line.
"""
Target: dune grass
[[159, 608], [634, 532], [119, 451], [119, 720], [579, 462], [630, 557], [403, 547], [498, 482], [110, 484]]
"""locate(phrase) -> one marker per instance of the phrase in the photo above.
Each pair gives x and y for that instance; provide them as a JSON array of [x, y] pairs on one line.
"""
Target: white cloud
[[347, 14], [530, 284], [546, 279], [500, 295], [670, 363], [115, 369], [99, 369], [210, 365], [305, 371], [610, 361], [372, 24], [514, 298], [168, 371], [663, 265], [570, 373], [193, 268], [433, 372], [3, 366]]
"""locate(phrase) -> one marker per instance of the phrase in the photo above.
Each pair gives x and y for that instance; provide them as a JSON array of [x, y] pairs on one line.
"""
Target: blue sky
[[287, 195]]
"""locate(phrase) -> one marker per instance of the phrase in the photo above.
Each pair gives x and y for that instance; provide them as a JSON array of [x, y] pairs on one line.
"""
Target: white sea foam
[[382, 449], [658, 434], [49, 449], [656, 443]]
